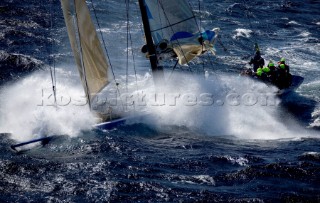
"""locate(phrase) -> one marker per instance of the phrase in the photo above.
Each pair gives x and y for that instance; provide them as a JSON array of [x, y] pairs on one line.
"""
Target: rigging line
[[199, 29], [210, 59], [200, 19], [52, 66], [82, 62], [170, 25], [132, 52], [127, 63], [134, 61], [174, 67], [103, 41], [160, 20], [200, 24], [209, 56], [105, 48], [53, 81], [194, 16], [221, 44], [249, 20], [139, 14], [173, 33], [140, 25], [129, 38]]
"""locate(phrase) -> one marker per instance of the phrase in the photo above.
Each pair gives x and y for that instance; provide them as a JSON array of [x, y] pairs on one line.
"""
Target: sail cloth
[[173, 25], [88, 53]]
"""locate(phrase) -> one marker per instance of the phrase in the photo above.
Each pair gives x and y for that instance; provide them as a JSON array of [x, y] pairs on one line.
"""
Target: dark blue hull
[[296, 81], [101, 126]]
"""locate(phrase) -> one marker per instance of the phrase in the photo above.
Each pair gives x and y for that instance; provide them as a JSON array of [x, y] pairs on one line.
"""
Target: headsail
[[173, 25], [90, 59]]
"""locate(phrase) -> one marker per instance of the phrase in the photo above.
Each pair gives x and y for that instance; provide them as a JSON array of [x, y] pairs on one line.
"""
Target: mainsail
[[173, 25], [90, 59]]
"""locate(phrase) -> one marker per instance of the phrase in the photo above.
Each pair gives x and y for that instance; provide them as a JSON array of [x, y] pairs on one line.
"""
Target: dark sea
[[244, 147]]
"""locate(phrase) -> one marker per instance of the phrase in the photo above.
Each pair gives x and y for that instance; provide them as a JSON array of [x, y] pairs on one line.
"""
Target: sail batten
[[173, 24], [89, 56]]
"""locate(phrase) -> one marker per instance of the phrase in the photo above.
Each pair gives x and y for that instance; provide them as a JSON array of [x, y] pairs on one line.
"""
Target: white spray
[[226, 106], [28, 111]]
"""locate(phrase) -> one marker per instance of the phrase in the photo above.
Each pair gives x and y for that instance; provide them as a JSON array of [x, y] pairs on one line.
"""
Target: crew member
[[272, 73], [284, 66], [284, 76], [257, 61]]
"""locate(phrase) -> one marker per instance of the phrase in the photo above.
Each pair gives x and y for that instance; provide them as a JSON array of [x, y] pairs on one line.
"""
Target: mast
[[157, 71]]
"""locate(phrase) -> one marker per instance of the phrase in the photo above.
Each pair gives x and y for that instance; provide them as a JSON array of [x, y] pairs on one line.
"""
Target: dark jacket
[[257, 61]]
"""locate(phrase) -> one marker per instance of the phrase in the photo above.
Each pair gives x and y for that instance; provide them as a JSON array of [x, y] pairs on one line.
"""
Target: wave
[[28, 111], [13, 66]]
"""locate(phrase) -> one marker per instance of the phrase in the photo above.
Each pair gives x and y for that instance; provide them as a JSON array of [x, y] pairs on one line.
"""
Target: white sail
[[90, 59], [173, 23]]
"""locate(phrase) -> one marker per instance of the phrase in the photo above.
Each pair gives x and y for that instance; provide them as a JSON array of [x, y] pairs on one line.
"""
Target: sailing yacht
[[170, 29]]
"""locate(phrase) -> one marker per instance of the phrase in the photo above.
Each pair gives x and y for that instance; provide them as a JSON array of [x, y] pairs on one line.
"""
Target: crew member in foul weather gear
[[260, 74], [271, 65], [283, 65], [257, 61], [267, 72], [264, 73], [284, 76], [272, 72]]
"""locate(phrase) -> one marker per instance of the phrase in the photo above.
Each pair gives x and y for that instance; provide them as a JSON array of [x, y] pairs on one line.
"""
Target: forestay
[[174, 26], [90, 59]]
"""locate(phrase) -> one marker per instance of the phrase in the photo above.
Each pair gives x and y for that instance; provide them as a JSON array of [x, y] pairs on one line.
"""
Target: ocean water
[[248, 145]]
